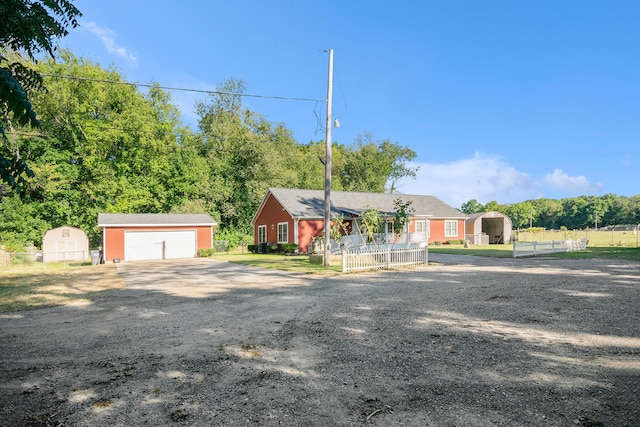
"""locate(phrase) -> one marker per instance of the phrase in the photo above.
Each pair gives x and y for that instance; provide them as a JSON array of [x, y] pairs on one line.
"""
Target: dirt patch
[[477, 342]]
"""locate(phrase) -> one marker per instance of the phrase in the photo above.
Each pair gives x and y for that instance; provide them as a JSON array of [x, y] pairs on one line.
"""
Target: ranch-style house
[[297, 216]]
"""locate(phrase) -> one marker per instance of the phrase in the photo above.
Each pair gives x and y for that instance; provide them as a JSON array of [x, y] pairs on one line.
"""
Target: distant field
[[506, 251], [594, 238]]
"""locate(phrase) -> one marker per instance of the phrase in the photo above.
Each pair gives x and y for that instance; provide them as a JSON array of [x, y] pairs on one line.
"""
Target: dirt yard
[[467, 342]]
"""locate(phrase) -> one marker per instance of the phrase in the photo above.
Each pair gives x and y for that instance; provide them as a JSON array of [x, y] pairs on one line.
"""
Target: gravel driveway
[[467, 342]]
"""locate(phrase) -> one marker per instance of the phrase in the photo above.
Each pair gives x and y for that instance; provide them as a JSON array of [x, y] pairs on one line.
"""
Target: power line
[[208, 92]]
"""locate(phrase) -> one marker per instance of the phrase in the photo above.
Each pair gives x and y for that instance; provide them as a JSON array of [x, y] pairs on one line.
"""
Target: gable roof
[[309, 204], [150, 220]]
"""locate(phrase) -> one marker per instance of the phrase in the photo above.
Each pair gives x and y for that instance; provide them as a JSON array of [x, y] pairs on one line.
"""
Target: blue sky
[[501, 100]]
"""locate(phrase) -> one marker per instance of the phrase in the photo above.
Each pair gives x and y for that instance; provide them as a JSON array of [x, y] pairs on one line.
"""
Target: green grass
[[506, 251], [22, 290], [297, 263]]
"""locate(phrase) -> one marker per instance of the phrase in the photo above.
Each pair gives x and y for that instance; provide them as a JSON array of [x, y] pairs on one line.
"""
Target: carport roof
[[151, 220]]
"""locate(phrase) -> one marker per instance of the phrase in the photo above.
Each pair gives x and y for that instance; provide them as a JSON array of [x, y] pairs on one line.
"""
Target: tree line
[[572, 213], [106, 146]]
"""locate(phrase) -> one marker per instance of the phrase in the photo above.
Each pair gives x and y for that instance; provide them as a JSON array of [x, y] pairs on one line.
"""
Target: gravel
[[464, 341]]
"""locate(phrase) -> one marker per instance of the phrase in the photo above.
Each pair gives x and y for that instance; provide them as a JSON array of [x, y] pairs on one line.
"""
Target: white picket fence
[[521, 249], [383, 257]]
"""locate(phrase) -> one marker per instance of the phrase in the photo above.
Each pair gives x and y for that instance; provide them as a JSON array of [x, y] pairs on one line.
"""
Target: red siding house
[[134, 237], [296, 216]]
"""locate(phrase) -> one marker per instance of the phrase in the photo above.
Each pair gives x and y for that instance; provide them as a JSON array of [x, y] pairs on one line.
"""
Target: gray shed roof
[[309, 204], [151, 220]]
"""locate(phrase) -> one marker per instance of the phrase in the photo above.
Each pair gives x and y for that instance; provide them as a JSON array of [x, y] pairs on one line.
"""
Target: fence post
[[344, 261], [553, 246], [534, 248], [388, 260], [426, 254], [514, 248]]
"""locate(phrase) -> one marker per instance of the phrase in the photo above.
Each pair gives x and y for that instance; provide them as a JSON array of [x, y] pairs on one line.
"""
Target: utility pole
[[327, 168]]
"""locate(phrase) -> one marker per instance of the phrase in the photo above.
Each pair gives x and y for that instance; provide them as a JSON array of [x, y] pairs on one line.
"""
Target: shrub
[[436, 243], [234, 237], [253, 248], [456, 242], [289, 248], [203, 253]]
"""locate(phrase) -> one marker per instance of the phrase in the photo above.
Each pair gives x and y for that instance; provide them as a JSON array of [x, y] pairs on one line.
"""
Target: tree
[[371, 166], [492, 206], [245, 154], [471, 207], [403, 211], [522, 214], [30, 27], [105, 147]]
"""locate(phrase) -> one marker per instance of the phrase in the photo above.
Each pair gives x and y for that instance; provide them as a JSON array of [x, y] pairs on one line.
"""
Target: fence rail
[[29, 259], [368, 258], [521, 249]]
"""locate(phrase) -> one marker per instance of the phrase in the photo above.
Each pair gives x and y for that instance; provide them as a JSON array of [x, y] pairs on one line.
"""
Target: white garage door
[[147, 245]]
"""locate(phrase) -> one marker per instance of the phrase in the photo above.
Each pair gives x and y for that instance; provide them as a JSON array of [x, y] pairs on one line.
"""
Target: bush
[[436, 243], [204, 253], [253, 248], [234, 237], [456, 242], [289, 248]]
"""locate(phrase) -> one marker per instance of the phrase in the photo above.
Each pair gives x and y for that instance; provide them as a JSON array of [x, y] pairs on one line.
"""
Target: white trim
[[104, 244], [264, 227], [168, 224], [295, 232], [287, 234], [449, 221]]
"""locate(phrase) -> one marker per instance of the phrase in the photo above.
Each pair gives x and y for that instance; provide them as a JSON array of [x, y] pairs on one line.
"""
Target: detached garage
[[136, 237]]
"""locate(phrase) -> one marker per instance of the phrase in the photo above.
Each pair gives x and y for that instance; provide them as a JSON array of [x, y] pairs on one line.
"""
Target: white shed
[[65, 244]]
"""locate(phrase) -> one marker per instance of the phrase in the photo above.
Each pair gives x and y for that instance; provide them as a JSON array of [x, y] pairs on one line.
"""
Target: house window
[[389, 227], [451, 228], [262, 234], [283, 232], [65, 232], [422, 227]]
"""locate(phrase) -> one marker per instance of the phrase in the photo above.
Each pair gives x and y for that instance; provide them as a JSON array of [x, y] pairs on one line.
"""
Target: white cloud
[[487, 177], [576, 185], [108, 38], [482, 177]]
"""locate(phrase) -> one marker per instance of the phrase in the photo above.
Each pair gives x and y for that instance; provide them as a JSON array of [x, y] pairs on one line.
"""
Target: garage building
[[136, 237]]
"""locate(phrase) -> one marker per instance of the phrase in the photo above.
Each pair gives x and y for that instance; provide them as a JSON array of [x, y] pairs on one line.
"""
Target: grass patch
[[494, 251], [506, 251], [25, 290], [296, 263]]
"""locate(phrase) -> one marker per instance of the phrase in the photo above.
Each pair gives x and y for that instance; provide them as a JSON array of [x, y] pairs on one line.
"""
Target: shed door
[[148, 245]]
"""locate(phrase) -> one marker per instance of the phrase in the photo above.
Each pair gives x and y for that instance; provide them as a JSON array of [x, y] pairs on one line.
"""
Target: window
[[65, 232], [389, 227], [262, 234], [421, 226], [451, 228], [283, 232]]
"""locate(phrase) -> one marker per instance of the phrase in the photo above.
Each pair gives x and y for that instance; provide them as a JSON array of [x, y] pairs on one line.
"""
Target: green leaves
[[15, 98]]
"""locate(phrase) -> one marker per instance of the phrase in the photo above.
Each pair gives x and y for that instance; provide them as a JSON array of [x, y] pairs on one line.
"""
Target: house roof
[[309, 204], [150, 220]]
